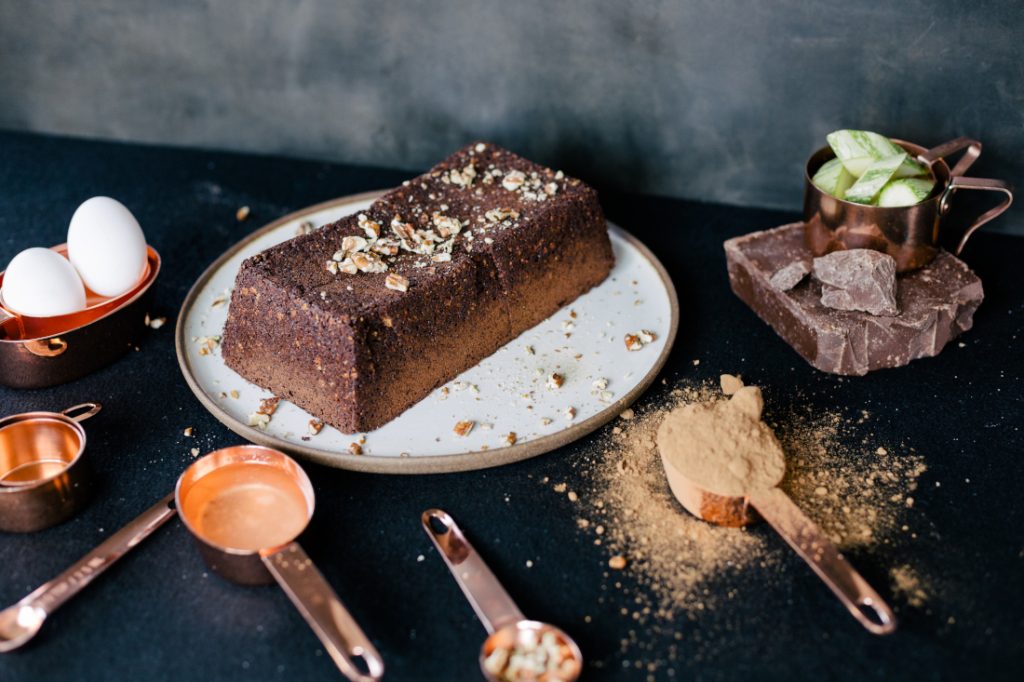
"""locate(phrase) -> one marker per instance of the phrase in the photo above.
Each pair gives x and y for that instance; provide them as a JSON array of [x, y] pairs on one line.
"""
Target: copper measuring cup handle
[[91, 410], [492, 604], [324, 612], [972, 150], [821, 555], [51, 595]]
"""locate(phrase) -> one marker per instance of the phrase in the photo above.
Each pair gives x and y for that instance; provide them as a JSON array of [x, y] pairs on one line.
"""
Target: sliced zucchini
[[833, 178], [858, 149], [874, 178], [905, 191]]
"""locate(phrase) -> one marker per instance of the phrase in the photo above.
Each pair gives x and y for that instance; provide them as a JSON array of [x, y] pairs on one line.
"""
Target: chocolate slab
[[936, 304]]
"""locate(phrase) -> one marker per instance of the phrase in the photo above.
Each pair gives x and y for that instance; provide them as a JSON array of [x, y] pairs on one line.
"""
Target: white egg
[[42, 283], [106, 246]]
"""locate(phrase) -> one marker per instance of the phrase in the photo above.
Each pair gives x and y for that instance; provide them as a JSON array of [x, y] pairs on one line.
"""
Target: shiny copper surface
[[43, 477], [38, 352], [287, 564], [504, 622], [910, 234]]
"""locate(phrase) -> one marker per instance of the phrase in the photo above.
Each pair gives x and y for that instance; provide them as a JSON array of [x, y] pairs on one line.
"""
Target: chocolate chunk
[[858, 279], [791, 275], [937, 303]]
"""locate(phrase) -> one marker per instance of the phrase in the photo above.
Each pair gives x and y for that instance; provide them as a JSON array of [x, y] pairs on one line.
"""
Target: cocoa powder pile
[[859, 495]]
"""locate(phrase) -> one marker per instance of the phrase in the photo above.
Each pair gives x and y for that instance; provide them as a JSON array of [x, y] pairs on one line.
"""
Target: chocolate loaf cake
[[359, 320]]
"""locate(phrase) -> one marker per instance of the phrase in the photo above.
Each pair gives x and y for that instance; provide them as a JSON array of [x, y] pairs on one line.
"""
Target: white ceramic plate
[[506, 393]]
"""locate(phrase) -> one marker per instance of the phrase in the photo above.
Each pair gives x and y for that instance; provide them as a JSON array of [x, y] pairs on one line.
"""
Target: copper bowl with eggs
[[36, 352]]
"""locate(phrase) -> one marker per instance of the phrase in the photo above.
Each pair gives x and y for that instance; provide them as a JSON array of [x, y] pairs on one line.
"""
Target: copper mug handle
[[972, 150]]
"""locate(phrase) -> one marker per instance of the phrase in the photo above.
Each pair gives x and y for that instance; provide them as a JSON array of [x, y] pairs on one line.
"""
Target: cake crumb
[[242, 213], [627, 414], [559, 487], [573, 497], [234, 394], [617, 562]]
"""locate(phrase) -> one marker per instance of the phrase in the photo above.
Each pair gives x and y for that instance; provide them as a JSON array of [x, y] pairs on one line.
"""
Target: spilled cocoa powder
[[860, 495]]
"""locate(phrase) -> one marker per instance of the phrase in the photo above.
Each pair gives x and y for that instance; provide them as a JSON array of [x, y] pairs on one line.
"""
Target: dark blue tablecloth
[[160, 615]]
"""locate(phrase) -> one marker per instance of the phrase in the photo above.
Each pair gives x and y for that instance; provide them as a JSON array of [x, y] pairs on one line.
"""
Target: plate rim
[[433, 464]]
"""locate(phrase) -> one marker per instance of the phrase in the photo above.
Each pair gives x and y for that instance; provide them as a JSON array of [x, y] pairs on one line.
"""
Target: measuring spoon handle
[[50, 596], [821, 555], [326, 615], [493, 606]]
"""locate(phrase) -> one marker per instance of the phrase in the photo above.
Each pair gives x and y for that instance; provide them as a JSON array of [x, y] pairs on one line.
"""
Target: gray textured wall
[[701, 99]]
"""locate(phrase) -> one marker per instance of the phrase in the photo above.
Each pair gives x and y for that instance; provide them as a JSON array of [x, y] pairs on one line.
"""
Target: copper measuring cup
[[219, 497], [43, 477], [910, 234], [505, 623], [44, 351], [813, 546]]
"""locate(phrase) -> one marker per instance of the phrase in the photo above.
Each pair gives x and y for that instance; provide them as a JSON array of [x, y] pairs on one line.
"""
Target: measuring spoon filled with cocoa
[[724, 465]]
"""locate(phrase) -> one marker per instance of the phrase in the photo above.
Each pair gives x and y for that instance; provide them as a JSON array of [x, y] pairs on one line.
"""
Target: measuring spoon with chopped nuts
[[516, 649]]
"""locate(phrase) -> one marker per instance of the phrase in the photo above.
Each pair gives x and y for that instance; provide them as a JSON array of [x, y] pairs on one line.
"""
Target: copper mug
[[910, 234]]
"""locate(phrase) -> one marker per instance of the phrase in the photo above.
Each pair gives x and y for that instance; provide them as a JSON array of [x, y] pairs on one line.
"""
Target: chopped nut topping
[[441, 257], [332, 267], [617, 562], [208, 344], [348, 267], [446, 226], [513, 180], [195, 452], [355, 448], [463, 428], [396, 282], [353, 243], [510, 438], [305, 227], [496, 215], [370, 227], [555, 380], [188, 431], [242, 213], [268, 406], [315, 426], [570, 413], [219, 301], [480, 146], [529, 350], [259, 420], [369, 262], [639, 340], [462, 179], [234, 394], [155, 322]]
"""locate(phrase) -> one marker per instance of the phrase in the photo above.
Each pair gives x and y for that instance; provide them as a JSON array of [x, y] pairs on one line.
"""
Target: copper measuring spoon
[[505, 623], [20, 623], [215, 498], [813, 546]]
